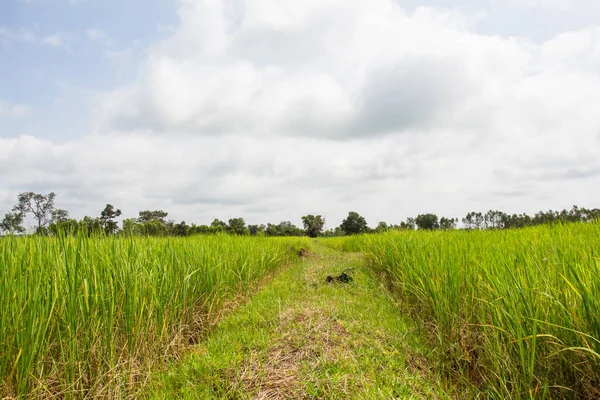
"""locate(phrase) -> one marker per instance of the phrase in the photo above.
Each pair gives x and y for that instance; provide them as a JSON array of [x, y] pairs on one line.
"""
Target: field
[[88, 317], [441, 314], [513, 312]]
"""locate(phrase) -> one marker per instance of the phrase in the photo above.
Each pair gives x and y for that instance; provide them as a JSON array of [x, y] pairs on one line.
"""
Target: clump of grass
[[515, 312], [87, 317]]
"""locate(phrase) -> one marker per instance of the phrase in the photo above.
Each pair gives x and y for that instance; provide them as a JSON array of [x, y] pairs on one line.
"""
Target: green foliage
[[237, 226], [313, 225], [80, 315], [107, 221], [427, 222], [40, 206], [12, 223], [354, 224]]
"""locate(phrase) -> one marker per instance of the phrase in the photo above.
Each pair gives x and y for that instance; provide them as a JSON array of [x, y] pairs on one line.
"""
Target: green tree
[[427, 221], [474, 220], [448, 223], [12, 223], [41, 206], [156, 215], [354, 224], [107, 221], [382, 227], [237, 226], [218, 226], [313, 225], [180, 229]]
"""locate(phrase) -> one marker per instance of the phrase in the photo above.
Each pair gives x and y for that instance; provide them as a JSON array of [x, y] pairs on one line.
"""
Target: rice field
[[89, 317], [513, 313]]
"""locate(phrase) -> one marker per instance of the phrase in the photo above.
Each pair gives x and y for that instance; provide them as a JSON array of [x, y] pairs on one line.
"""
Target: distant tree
[[12, 223], [90, 225], [409, 225], [354, 224], [237, 226], [257, 230], [313, 225], [494, 219], [107, 221], [218, 226], [156, 215], [382, 227], [474, 220], [41, 206], [448, 223], [427, 221], [180, 229]]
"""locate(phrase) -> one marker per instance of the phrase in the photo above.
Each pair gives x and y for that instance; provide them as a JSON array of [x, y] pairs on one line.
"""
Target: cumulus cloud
[[272, 109]]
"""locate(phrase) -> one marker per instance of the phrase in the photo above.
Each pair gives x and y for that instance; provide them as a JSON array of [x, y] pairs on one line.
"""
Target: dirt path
[[303, 338]]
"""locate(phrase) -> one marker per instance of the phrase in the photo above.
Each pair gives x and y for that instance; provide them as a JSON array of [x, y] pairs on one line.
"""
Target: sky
[[273, 109]]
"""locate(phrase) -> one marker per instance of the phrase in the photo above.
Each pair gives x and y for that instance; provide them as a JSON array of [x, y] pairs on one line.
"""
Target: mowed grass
[[304, 338], [89, 317], [514, 313]]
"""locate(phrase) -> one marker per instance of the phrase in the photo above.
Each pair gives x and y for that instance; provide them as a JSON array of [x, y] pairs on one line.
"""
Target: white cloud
[[275, 108], [55, 40], [14, 110]]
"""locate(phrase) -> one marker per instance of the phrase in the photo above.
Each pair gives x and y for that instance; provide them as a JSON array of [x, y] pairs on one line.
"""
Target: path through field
[[302, 338]]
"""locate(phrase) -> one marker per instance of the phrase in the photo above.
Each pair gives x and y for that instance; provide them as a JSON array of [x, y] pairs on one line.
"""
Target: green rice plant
[[88, 317], [514, 312]]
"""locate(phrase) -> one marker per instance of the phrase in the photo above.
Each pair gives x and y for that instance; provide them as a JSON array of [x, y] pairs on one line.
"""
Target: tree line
[[52, 221]]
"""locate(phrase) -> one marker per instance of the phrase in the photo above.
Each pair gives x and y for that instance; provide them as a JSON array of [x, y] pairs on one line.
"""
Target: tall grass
[[516, 313], [86, 317]]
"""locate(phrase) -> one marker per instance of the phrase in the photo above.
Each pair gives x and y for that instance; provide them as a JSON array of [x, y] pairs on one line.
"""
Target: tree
[[181, 229], [257, 230], [156, 215], [382, 227], [409, 225], [448, 223], [40, 205], [218, 226], [494, 219], [427, 221], [473, 220], [107, 221], [313, 225], [354, 224], [12, 223], [237, 226]]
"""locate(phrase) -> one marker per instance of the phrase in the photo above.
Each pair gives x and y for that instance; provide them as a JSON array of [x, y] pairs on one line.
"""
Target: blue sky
[[54, 54], [271, 109]]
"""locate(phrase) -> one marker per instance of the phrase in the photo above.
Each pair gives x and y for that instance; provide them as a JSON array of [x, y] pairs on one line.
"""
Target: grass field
[[83, 317], [515, 313]]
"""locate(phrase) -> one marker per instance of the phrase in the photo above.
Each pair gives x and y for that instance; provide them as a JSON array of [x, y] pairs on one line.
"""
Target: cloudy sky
[[272, 109]]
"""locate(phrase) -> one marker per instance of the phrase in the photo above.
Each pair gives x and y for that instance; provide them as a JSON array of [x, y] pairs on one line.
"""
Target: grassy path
[[301, 338]]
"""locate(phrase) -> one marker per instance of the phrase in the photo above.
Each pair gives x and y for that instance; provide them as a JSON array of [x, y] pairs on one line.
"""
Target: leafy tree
[[427, 221], [313, 225], [382, 227], [218, 226], [237, 226], [12, 223], [474, 220], [448, 223], [90, 225], [354, 224], [107, 221], [257, 230], [156, 215], [181, 229], [494, 219], [40, 205], [409, 225]]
